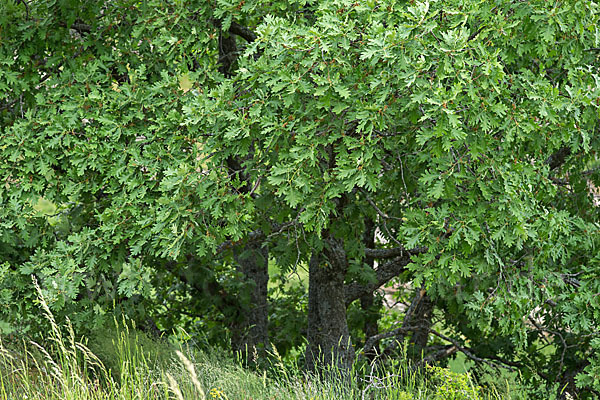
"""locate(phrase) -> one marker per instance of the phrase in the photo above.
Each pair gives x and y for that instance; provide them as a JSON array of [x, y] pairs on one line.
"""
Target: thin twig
[[468, 353]]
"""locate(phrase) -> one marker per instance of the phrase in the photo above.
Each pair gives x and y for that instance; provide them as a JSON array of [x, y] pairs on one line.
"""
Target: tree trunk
[[328, 335], [249, 332], [422, 319], [367, 301]]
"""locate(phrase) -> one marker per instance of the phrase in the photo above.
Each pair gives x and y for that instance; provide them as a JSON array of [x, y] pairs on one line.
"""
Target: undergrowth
[[126, 365]]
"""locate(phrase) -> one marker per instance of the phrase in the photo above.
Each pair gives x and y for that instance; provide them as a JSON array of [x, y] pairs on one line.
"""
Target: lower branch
[[384, 273], [468, 353]]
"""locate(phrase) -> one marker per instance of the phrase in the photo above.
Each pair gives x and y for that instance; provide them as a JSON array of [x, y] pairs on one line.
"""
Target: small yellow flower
[[217, 394]]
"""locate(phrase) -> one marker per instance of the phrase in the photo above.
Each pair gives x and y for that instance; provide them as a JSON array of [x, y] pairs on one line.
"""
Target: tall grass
[[136, 367]]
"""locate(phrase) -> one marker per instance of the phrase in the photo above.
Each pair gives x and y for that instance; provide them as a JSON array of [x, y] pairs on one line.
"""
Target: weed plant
[[132, 366]]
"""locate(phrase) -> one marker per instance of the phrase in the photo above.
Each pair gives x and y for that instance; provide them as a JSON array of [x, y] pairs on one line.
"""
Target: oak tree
[[157, 154]]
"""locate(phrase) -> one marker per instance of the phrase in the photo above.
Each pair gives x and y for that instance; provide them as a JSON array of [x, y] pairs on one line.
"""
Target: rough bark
[[393, 252], [417, 321], [368, 300], [370, 327], [249, 333], [248, 319], [328, 335], [421, 319]]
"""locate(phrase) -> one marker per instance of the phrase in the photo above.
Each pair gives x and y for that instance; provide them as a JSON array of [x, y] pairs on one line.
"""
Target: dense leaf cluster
[[146, 146]]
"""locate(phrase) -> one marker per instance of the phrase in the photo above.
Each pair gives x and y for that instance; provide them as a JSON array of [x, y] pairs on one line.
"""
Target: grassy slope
[[136, 367], [126, 364]]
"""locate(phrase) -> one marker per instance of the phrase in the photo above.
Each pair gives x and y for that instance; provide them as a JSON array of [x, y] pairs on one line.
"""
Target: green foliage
[[122, 348], [287, 319], [96, 134], [466, 129], [453, 386]]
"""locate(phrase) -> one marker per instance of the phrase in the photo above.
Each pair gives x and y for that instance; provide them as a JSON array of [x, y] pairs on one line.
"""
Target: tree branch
[[436, 356], [255, 236], [475, 34], [384, 273], [399, 251], [226, 303], [558, 158], [81, 27], [26, 7], [370, 342], [407, 319], [413, 305], [468, 353], [242, 31]]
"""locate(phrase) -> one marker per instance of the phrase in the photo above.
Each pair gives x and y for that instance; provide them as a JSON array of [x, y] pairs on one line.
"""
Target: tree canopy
[[157, 155]]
